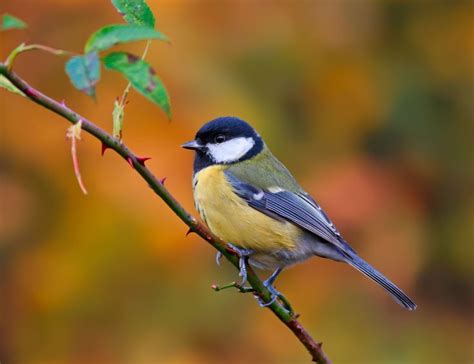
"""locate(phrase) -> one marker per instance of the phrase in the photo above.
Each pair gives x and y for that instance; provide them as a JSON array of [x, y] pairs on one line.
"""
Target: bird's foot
[[243, 255], [274, 295]]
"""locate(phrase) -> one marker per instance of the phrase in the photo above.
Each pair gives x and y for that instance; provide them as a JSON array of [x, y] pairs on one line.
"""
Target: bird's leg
[[243, 255], [275, 294], [270, 280], [268, 283]]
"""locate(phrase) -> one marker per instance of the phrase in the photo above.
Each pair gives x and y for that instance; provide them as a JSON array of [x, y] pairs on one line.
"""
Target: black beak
[[193, 145]]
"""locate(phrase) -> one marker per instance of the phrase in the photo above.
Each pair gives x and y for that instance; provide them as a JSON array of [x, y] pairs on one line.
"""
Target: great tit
[[248, 198]]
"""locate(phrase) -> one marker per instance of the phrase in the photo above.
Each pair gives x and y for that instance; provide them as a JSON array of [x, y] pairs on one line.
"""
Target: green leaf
[[10, 22], [117, 116], [84, 72], [111, 35], [141, 76], [6, 84], [135, 12]]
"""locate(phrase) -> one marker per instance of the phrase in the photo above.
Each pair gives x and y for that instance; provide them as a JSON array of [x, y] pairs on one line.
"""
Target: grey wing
[[297, 208], [300, 209]]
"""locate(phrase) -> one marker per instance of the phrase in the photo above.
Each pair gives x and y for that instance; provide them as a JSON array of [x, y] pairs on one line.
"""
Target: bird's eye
[[219, 139]]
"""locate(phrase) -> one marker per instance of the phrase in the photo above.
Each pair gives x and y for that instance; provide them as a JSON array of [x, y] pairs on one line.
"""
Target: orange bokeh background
[[369, 104]]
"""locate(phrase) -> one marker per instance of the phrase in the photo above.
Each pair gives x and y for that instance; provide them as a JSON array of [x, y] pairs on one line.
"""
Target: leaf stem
[[123, 99]]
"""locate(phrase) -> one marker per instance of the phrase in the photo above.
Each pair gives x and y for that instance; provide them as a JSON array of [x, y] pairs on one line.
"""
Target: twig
[[74, 133], [276, 307], [32, 47], [122, 101], [239, 287]]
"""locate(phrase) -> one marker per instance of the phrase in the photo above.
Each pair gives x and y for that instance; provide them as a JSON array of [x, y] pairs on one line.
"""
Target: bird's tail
[[365, 268]]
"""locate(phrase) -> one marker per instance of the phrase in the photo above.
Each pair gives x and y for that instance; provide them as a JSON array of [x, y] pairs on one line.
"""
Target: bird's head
[[225, 140]]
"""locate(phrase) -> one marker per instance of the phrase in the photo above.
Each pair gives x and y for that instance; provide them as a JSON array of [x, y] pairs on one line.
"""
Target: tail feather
[[365, 268]]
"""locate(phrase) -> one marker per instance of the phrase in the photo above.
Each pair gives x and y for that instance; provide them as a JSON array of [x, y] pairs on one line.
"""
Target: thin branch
[[32, 47], [74, 133], [259, 289]]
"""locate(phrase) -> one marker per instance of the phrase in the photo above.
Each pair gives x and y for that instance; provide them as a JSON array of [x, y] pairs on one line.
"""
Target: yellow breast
[[231, 219]]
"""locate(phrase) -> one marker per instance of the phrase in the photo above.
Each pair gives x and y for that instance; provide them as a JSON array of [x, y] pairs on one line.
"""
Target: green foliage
[[142, 77], [84, 72], [111, 35], [135, 12], [11, 22]]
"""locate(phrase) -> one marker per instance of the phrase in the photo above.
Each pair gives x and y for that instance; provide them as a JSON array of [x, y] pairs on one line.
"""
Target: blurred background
[[368, 103]]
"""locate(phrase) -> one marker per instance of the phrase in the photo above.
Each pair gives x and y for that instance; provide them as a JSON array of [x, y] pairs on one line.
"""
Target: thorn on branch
[[130, 161], [104, 147], [142, 160], [190, 230], [162, 181]]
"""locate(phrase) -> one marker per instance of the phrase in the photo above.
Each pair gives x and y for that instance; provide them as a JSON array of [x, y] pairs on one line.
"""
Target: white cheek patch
[[231, 150]]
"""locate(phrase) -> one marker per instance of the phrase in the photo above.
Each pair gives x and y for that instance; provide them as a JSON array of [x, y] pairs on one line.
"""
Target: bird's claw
[[218, 258], [264, 304], [274, 294], [243, 269], [243, 255]]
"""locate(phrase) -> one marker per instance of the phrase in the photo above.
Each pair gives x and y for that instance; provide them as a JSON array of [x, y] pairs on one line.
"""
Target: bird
[[249, 199]]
